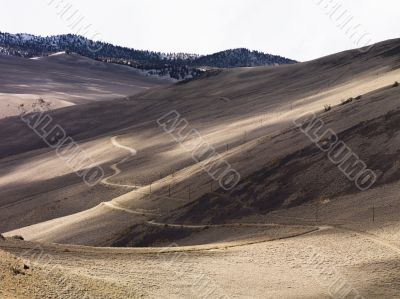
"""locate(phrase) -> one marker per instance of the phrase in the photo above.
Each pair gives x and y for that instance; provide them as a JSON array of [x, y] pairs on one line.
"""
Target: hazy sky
[[300, 30]]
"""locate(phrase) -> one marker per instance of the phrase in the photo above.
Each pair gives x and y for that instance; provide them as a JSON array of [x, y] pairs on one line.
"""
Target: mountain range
[[175, 65]]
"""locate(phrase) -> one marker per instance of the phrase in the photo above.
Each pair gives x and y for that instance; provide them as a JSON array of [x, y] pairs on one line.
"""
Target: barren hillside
[[245, 114], [292, 210], [64, 80]]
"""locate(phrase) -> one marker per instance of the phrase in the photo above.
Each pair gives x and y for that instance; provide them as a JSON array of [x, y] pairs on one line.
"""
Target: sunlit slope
[[65, 80], [244, 114]]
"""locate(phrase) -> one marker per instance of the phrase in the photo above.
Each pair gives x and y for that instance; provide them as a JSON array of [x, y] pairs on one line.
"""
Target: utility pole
[[373, 213]]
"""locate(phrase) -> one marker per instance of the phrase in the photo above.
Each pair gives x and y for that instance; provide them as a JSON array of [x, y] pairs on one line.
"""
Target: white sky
[[300, 30]]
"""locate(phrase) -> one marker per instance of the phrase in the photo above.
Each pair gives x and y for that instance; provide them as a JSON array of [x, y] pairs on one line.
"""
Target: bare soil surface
[[157, 225], [66, 79]]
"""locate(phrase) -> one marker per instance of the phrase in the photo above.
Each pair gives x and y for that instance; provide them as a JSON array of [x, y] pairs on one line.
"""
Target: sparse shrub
[[327, 107], [17, 237], [344, 102], [324, 200], [2, 238], [206, 227], [358, 97], [17, 271], [395, 84]]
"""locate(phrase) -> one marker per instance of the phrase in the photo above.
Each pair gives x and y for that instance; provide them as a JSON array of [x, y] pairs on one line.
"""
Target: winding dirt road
[[115, 167]]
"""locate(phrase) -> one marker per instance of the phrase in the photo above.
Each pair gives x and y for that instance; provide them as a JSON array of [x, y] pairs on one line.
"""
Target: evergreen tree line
[[176, 65]]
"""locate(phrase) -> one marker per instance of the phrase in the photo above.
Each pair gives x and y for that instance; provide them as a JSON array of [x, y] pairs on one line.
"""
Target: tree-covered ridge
[[176, 65]]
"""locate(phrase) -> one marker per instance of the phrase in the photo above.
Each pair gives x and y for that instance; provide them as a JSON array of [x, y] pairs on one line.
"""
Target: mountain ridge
[[176, 65]]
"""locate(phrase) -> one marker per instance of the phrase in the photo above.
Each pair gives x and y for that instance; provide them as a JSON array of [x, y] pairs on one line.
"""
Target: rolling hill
[[245, 114], [158, 225], [66, 79]]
